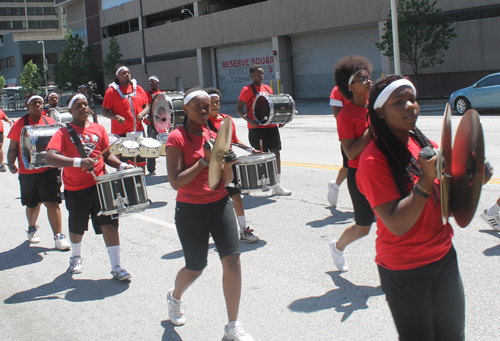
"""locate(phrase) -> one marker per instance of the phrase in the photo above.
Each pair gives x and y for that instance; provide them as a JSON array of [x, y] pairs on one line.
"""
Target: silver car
[[485, 94]]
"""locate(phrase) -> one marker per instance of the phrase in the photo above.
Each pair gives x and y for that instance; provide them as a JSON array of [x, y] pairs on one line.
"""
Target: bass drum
[[274, 109], [60, 115], [176, 102], [161, 113], [34, 141]]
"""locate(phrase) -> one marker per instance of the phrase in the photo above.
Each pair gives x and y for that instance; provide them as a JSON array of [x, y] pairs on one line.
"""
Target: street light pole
[[44, 61], [395, 37]]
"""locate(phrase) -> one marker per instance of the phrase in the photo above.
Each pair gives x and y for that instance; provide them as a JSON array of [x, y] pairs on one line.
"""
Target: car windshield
[[489, 81]]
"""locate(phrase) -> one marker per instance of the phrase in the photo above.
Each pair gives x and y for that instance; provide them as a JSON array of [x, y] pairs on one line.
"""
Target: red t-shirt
[[427, 241], [15, 135], [94, 139], [150, 99], [351, 124], [218, 122], [247, 95], [197, 191], [2, 115], [336, 98], [119, 106]]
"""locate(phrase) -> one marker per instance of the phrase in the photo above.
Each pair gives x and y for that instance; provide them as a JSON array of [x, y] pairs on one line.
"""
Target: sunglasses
[[363, 80]]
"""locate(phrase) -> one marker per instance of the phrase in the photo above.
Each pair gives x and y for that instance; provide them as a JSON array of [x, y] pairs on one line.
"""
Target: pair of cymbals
[[221, 146], [461, 168]]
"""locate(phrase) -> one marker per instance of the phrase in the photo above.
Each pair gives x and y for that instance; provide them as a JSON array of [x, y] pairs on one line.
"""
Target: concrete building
[[213, 43]]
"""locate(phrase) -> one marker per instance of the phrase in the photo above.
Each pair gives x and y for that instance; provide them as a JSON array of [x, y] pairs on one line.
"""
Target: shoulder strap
[[27, 121], [76, 141], [250, 102]]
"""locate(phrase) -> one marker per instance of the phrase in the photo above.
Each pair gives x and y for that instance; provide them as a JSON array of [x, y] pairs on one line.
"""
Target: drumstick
[[104, 151], [261, 148]]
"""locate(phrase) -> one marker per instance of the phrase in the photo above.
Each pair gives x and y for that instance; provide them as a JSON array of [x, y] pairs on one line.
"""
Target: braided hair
[[402, 163]]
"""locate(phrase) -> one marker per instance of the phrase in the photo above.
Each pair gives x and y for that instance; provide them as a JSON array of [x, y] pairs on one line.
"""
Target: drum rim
[[149, 139], [255, 157], [117, 175], [271, 108]]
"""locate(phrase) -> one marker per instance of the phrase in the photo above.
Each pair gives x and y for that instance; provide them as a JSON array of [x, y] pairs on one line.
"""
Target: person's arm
[[56, 159], [12, 155], [107, 113], [336, 110], [143, 113], [240, 111], [113, 161], [178, 176], [354, 147], [400, 215]]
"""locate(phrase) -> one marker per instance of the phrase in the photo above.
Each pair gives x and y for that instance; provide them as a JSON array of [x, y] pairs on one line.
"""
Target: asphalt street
[[291, 288]]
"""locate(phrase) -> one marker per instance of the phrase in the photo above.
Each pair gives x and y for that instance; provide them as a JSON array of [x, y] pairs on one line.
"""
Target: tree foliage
[[424, 34], [112, 58], [76, 66], [44, 74], [30, 78], [2, 81]]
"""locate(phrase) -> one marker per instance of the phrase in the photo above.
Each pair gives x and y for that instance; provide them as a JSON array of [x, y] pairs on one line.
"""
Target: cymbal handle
[[427, 153]]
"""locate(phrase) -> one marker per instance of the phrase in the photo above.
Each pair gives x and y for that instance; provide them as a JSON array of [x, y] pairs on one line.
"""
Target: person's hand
[[208, 152], [254, 123], [120, 119], [87, 163], [129, 166], [255, 151], [428, 167], [11, 122], [228, 164], [12, 168]]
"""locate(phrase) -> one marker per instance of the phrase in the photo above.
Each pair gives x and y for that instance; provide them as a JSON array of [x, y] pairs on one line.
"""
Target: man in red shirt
[[269, 134], [38, 186], [126, 104], [154, 83], [53, 101], [3, 117]]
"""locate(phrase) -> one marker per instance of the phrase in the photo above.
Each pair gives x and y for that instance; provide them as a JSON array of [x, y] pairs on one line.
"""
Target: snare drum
[[34, 141], [59, 115], [150, 147], [176, 100], [274, 109], [161, 113], [256, 172], [122, 192], [163, 137], [130, 147], [115, 149]]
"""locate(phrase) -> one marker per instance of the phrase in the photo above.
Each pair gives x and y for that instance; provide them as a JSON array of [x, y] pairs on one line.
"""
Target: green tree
[[44, 75], [424, 35], [112, 58], [76, 65], [2, 82], [30, 78]]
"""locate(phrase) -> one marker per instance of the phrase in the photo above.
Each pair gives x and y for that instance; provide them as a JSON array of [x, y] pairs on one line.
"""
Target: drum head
[[161, 113], [162, 137], [261, 109], [112, 138], [150, 143], [130, 144]]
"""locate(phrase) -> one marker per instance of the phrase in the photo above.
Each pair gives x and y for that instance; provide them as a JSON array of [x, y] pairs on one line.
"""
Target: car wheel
[[462, 105]]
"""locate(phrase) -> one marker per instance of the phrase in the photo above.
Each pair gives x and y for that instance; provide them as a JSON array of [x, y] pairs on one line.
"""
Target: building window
[[2, 63], [42, 10], [19, 24], [11, 11], [43, 24], [82, 32], [65, 24], [64, 10], [121, 28], [11, 62], [166, 17]]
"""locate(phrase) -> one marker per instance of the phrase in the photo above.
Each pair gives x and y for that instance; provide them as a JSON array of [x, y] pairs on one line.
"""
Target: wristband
[[419, 192], [77, 162], [123, 165], [250, 149], [421, 189], [204, 162]]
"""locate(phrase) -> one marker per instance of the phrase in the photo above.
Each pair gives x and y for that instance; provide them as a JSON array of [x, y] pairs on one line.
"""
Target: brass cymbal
[[444, 164], [467, 169], [221, 145]]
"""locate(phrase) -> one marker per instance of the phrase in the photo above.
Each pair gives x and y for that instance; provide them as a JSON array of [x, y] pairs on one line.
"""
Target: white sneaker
[[338, 258], [246, 235], [61, 242], [278, 190], [120, 273], [175, 312], [333, 193], [32, 234], [237, 333], [493, 220], [75, 264]]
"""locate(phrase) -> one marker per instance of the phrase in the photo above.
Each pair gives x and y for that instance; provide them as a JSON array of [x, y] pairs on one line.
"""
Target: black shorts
[[1, 137], [195, 222], [40, 187], [363, 213], [345, 159], [270, 137], [140, 161], [232, 189], [82, 204]]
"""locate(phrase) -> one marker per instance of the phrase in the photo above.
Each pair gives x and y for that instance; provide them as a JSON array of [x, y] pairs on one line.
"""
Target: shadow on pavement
[[74, 290], [23, 254], [495, 250], [170, 333], [244, 247], [347, 298], [253, 202], [157, 204], [155, 180], [337, 218]]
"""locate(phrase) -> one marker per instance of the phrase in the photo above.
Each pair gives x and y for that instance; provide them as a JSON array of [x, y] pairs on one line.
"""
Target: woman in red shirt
[[200, 212], [416, 260]]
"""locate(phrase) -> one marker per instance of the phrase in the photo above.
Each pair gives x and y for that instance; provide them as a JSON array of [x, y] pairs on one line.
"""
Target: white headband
[[118, 71], [34, 97], [194, 94], [354, 75], [214, 95], [386, 93], [154, 78], [53, 94], [70, 105]]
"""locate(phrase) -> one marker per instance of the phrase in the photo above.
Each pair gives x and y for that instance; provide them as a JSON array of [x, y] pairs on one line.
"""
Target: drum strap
[[134, 85], [76, 141], [27, 121]]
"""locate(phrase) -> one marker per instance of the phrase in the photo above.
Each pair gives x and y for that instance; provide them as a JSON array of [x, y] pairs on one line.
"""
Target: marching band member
[[53, 101], [491, 215], [268, 134], [38, 186], [352, 76], [214, 122], [416, 259], [80, 190], [3, 117], [126, 104], [154, 83], [201, 211]]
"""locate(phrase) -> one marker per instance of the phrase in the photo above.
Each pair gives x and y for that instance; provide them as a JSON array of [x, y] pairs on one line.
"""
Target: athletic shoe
[[246, 235], [333, 193], [32, 234], [120, 273], [237, 333], [338, 258], [278, 190], [2, 169], [175, 312], [153, 173], [61, 242], [493, 220], [75, 264]]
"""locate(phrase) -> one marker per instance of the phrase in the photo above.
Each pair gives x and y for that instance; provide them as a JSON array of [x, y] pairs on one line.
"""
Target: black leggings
[[427, 303], [363, 213]]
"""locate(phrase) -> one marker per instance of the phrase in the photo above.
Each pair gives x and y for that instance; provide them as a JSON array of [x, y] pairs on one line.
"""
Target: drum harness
[[255, 94], [78, 144], [129, 96], [27, 121]]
